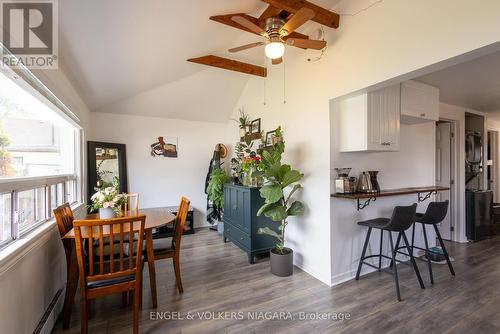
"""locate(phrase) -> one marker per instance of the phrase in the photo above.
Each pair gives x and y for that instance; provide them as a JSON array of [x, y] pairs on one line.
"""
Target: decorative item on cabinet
[[241, 222], [243, 122], [255, 126], [370, 121], [274, 137]]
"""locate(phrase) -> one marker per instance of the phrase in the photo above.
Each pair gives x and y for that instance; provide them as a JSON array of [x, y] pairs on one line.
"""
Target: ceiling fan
[[277, 24], [276, 32]]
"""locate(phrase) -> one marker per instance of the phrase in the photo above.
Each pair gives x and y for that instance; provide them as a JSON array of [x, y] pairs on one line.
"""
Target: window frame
[[27, 81]]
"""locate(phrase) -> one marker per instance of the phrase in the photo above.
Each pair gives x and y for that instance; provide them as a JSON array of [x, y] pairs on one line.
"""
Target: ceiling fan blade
[[298, 19], [277, 61], [247, 24], [306, 43], [247, 46]]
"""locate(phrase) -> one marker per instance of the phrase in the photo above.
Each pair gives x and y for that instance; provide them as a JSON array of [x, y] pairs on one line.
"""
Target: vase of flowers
[[107, 201], [250, 166]]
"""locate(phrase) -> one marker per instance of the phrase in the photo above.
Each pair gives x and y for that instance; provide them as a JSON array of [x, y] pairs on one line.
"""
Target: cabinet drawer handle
[[241, 238], [422, 115]]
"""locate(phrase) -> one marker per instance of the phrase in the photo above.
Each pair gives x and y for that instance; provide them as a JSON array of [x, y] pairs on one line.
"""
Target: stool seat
[[375, 223]]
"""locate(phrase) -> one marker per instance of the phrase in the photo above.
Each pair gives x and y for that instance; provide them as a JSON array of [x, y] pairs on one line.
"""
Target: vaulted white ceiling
[[129, 56]]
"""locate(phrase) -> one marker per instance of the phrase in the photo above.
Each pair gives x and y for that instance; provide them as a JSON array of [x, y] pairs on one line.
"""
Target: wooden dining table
[[155, 218]]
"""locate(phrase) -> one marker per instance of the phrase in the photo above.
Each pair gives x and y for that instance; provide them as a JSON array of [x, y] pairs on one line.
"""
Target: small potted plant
[[280, 185], [215, 192], [243, 122], [107, 201]]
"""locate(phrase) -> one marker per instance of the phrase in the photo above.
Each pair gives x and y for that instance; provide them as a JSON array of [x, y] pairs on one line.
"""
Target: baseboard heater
[[40, 328]]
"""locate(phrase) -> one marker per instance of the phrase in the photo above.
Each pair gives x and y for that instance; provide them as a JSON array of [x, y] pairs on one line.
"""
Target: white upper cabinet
[[419, 102], [370, 121]]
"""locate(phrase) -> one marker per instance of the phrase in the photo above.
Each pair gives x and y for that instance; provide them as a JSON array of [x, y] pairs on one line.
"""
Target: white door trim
[[455, 220]]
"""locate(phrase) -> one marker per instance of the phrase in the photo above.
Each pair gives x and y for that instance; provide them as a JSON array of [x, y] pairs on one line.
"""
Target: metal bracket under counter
[[364, 199]]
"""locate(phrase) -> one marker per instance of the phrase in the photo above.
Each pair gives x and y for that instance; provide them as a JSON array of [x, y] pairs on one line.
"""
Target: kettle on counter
[[365, 184]]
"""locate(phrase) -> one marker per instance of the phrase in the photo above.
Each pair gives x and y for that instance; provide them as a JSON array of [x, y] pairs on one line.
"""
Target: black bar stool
[[435, 213], [402, 218]]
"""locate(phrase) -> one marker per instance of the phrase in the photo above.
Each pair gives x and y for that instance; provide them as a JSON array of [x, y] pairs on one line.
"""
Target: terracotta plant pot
[[282, 264]]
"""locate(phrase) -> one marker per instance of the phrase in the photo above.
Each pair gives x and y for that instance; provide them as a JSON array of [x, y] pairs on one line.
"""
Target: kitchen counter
[[368, 197]]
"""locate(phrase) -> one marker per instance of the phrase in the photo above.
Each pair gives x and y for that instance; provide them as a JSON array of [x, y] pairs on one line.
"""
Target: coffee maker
[[373, 179], [343, 183]]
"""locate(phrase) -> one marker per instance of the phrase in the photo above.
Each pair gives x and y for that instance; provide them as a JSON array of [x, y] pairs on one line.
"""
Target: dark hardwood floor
[[218, 278]]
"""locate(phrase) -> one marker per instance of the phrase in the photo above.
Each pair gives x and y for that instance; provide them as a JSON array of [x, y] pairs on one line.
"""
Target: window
[[39, 156]]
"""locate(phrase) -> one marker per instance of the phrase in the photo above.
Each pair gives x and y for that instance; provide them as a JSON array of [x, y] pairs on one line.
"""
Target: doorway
[[445, 171]]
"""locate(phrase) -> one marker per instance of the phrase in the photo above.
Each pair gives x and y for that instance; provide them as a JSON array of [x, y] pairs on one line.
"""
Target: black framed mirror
[[107, 166]]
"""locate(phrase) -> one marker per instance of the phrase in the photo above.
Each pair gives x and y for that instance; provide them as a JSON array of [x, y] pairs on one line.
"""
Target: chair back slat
[[91, 249], [179, 222], [121, 246], [132, 203], [101, 250], [111, 246], [131, 243]]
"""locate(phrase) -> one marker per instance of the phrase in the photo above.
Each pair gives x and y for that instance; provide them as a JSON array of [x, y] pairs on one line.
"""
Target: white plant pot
[[106, 213]]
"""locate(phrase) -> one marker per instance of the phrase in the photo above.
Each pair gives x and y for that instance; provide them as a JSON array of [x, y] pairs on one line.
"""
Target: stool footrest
[[387, 271]]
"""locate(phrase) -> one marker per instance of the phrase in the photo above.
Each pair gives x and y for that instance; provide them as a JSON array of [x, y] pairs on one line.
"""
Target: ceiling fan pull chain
[[284, 82], [264, 91]]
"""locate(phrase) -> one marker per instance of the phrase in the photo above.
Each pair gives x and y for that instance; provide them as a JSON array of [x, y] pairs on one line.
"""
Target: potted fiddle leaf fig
[[281, 183]]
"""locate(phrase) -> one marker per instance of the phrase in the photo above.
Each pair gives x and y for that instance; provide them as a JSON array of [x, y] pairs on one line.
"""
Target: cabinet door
[[419, 101], [375, 121], [383, 119], [228, 204], [391, 102]]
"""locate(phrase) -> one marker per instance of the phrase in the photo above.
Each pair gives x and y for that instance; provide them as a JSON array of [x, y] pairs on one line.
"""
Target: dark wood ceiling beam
[[229, 64], [323, 16]]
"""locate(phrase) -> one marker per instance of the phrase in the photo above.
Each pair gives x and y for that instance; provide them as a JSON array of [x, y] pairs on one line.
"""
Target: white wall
[[394, 38], [162, 181], [31, 274]]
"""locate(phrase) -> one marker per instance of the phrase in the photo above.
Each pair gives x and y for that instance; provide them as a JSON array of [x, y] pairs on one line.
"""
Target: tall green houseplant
[[281, 183], [215, 188]]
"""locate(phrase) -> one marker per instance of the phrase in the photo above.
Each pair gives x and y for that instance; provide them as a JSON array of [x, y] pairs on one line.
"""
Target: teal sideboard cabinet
[[241, 222]]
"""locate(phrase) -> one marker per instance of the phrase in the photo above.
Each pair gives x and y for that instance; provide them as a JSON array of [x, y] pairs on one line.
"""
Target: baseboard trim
[[351, 274], [312, 272], [51, 314]]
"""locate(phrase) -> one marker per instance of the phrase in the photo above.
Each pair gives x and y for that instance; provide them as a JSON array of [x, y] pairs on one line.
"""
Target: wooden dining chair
[[164, 248], [118, 273], [132, 203], [64, 219]]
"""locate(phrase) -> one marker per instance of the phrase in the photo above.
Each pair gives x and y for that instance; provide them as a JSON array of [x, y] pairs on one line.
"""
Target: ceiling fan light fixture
[[274, 50]]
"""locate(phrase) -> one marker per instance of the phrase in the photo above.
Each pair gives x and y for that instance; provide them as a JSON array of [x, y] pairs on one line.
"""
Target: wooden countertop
[[392, 192]]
